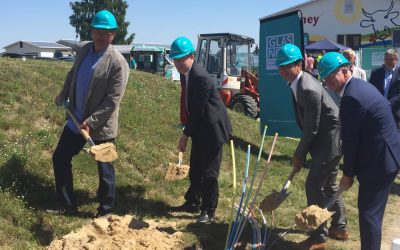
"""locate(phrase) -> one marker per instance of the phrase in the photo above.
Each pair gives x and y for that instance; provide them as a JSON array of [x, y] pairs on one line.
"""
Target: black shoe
[[206, 217], [67, 210], [102, 213], [187, 207]]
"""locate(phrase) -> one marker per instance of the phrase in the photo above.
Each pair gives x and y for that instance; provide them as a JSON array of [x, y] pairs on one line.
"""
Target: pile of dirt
[[176, 172], [116, 232], [311, 218], [271, 201]]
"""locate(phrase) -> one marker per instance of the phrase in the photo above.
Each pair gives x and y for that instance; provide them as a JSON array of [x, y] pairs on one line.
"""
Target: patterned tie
[[183, 108]]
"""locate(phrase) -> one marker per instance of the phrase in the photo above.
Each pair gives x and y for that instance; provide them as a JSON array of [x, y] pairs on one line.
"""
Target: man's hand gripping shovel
[[104, 152]]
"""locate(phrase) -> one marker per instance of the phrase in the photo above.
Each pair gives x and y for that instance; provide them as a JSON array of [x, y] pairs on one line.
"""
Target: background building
[[353, 23]]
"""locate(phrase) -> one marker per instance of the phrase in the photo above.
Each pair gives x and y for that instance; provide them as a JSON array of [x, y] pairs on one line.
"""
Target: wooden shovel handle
[[83, 132], [180, 158]]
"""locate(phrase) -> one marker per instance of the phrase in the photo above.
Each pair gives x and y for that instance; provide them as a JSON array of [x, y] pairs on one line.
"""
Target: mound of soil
[[116, 232], [176, 172], [311, 218]]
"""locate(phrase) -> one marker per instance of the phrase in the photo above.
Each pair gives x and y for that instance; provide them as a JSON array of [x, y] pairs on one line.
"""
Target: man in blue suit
[[387, 80], [370, 144]]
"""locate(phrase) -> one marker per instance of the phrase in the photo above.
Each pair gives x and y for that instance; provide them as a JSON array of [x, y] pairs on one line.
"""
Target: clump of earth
[[311, 218], [121, 232], [176, 172]]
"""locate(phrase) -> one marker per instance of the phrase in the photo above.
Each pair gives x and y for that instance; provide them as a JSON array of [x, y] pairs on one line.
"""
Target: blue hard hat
[[104, 20], [329, 62], [181, 47], [287, 54]]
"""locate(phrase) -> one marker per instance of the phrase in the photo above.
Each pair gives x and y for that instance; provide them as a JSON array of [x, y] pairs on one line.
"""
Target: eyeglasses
[[101, 32]]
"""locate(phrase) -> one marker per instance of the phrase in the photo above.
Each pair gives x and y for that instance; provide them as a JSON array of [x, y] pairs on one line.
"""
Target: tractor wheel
[[245, 104]]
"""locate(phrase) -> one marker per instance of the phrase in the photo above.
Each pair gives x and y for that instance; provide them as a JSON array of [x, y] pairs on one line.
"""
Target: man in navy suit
[[208, 126], [370, 144], [387, 80], [317, 116]]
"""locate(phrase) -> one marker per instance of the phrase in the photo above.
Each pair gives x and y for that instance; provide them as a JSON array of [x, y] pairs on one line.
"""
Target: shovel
[[313, 216], [105, 152], [177, 171], [274, 199]]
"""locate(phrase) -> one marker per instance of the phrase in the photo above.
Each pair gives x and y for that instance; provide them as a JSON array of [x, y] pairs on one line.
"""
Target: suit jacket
[[208, 120], [370, 141], [317, 116], [378, 80], [359, 73], [107, 87]]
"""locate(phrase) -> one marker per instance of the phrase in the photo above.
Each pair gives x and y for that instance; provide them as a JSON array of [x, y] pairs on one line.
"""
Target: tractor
[[227, 58]]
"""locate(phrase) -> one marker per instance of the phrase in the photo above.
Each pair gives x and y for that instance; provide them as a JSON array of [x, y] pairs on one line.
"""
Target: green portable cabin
[[153, 59]]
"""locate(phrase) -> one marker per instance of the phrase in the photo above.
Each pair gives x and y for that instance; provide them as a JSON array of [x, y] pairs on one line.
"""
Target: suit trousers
[[372, 199], [320, 186], [69, 145], [205, 162]]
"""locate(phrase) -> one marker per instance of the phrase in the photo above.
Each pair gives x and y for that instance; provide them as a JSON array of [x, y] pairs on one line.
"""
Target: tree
[[84, 11]]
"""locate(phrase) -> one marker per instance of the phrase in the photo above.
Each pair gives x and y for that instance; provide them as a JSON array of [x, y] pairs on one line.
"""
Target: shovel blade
[[105, 152]]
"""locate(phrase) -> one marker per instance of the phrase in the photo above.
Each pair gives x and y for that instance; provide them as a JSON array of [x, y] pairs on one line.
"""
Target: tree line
[[84, 11]]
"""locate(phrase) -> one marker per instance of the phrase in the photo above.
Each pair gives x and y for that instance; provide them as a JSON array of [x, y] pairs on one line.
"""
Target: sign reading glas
[[273, 45]]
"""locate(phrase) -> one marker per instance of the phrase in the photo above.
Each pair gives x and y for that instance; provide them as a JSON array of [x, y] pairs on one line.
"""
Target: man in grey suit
[[317, 116], [94, 86]]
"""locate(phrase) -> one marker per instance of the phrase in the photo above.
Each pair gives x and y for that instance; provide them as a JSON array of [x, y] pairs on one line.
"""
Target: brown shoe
[[310, 244], [338, 234]]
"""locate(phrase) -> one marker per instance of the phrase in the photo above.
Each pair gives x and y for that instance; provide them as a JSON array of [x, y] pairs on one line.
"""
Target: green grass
[[30, 125]]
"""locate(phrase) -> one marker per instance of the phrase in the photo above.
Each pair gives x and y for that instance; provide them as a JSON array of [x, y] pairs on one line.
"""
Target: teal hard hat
[[181, 47], [329, 62], [104, 20], [288, 54]]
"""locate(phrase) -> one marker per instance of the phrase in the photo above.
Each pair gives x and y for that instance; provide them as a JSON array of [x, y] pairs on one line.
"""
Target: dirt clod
[[105, 152], [176, 172], [311, 218]]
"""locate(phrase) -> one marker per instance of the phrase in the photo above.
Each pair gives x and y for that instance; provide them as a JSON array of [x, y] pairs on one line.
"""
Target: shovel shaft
[[180, 158], [82, 131], [288, 181], [334, 198]]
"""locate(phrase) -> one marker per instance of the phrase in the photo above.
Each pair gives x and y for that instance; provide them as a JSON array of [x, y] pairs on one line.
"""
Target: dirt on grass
[[126, 232]]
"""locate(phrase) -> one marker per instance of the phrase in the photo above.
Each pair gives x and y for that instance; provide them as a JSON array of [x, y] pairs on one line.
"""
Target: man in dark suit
[[387, 80], [370, 144], [317, 116], [208, 126]]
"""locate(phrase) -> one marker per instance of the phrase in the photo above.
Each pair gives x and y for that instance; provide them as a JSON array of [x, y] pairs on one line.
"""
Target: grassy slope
[[29, 128]]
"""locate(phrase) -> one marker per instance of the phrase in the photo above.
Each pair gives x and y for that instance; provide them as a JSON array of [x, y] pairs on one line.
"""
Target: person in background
[[317, 116], [320, 55], [132, 63], [387, 80], [94, 87], [207, 124], [370, 144], [309, 63], [350, 55]]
